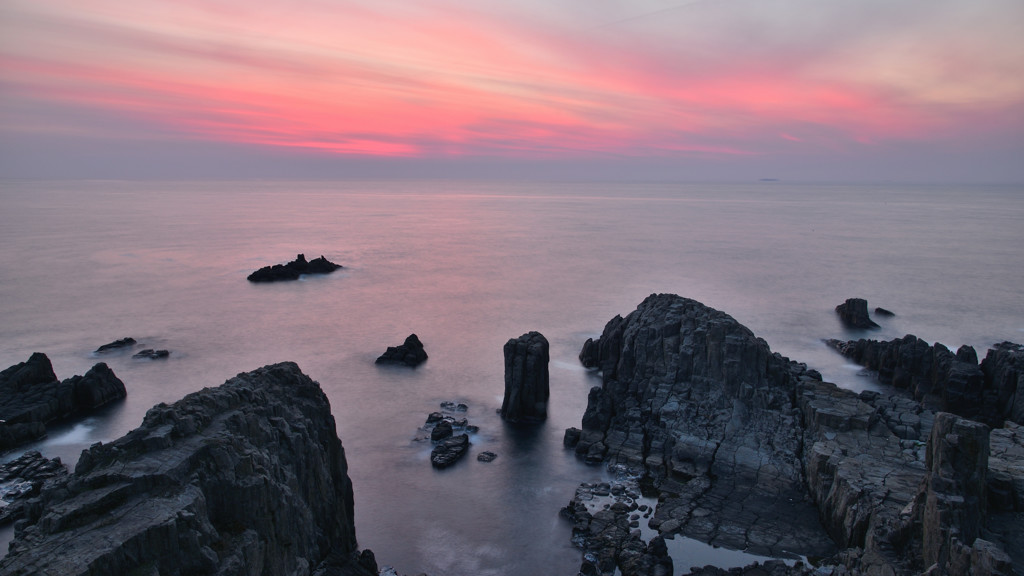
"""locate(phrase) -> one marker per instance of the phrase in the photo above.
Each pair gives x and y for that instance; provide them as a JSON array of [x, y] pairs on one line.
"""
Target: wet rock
[[117, 344], [442, 430], [884, 312], [449, 450], [410, 353], [486, 456], [245, 478], [23, 478], [31, 396], [292, 270], [151, 354], [526, 379], [854, 313]]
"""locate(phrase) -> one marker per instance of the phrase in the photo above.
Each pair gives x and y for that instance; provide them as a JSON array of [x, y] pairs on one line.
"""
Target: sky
[[862, 90]]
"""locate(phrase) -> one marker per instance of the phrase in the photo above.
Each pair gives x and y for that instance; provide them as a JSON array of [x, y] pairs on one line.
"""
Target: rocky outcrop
[[991, 392], [151, 354], [449, 450], [293, 269], [526, 379], [854, 313], [410, 353], [31, 396], [117, 345], [748, 450], [246, 478], [23, 478]]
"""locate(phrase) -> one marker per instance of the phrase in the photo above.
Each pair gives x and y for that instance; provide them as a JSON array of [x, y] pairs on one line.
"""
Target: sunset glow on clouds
[[581, 79]]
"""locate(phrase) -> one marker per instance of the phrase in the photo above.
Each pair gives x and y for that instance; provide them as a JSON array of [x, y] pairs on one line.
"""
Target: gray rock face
[[854, 313], [750, 451], [526, 379], [246, 478], [31, 396], [991, 393]]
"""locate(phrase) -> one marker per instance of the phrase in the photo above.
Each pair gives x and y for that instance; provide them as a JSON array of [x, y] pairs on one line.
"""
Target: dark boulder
[[151, 354], [442, 430], [1003, 367], [410, 353], [117, 344], [293, 269], [31, 396], [449, 450], [23, 478], [854, 313], [526, 379], [884, 312], [486, 456], [246, 478]]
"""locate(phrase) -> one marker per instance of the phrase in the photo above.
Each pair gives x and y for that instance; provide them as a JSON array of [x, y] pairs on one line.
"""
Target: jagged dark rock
[[410, 353], [293, 269], [526, 379], [991, 393], [23, 478], [31, 396], [246, 478], [151, 354], [854, 313], [748, 450], [449, 450], [442, 430], [117, 344]]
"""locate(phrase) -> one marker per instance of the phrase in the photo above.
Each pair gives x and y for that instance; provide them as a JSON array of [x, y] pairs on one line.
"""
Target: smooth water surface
[[466, 266]]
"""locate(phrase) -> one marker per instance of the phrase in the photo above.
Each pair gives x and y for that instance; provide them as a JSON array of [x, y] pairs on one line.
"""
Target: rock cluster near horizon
[[527, 387], [748, 450], [246, 478], [292, 270], [31, 396]]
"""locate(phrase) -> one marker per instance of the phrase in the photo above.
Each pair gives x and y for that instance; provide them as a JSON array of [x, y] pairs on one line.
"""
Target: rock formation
[[449, 450], [246, 478], [151, 354], [748, 450], [293, 269], [31, 396], [23, 478], [991, 392], [854, 313], [410, 353], [117, 344], [526, 379]]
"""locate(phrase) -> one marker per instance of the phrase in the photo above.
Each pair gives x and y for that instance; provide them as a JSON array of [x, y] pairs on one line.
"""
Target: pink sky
[[711, 88]]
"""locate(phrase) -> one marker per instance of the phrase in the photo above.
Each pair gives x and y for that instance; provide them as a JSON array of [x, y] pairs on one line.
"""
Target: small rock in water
[[410, 353], [449, 450], [884, 312], [486, 456], [441, 431], [152, 354], [116, 344]]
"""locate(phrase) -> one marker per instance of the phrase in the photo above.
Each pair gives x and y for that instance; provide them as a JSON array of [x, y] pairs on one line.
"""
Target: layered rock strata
[[292, 270], [31, 396], [526, 379], [990, 392], [243, 479], [748, 450], [410, 353]]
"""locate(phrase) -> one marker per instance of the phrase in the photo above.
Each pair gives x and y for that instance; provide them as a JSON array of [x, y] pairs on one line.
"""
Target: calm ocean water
[[466, 266]]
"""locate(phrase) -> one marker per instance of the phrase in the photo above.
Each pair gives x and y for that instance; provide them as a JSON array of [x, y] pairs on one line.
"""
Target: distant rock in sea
[[152, 354], [884, 312], [526, 379], [410, 353], [245, 478], [854, 313], [117, 344], [31, 396], [293, 269]]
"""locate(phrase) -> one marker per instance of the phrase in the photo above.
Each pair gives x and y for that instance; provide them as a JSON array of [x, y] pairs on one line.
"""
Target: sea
[[467, 265]]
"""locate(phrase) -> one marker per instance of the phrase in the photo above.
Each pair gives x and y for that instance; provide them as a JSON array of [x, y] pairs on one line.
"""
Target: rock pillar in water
[[526, 379]]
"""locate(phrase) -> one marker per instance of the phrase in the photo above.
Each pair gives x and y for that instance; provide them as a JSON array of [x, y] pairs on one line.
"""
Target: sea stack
[[526, 379], [854, 313]]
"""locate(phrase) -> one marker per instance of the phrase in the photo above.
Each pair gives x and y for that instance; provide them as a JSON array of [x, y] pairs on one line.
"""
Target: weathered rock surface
[[410, 353], [748, 450], [246, 478], [991, 392], [449, 450], [526, 379], [31, 396], [24, 477], [293, 269], [854, 313], [117, 344]]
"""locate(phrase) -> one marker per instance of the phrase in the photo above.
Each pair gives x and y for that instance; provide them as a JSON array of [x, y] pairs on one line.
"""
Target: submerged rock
[[526, 379], [486, 456], [152, 354], [246, 478], [854, 313], [117, 344], [31, 396], [410, 353], [449, 450], [293, 269]]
